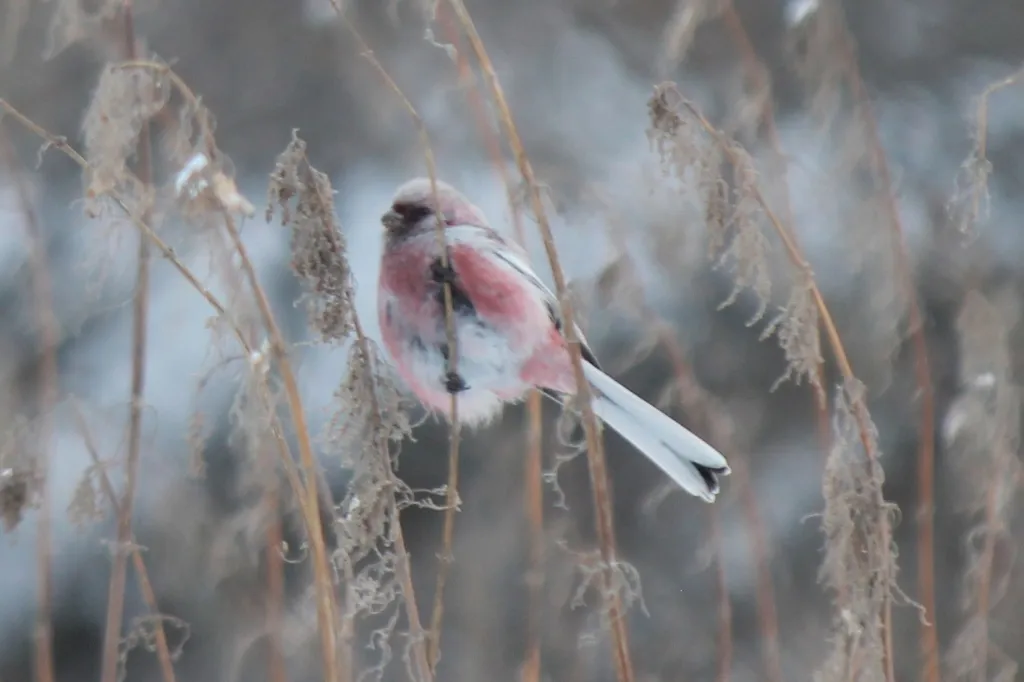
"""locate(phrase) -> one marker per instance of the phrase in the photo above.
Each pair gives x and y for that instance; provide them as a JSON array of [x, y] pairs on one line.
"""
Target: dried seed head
[[15, 495], [859, 562], [745, 248], [796, 326], [370, 418], [125, 99], [688, 152], [87, 504], [19, 475], [317, 244]]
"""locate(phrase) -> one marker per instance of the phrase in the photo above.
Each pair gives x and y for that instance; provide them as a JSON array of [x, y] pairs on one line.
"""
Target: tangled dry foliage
[[288, 540]]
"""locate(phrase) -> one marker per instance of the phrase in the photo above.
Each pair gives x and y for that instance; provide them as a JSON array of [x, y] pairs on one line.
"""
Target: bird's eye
[[412, 213]]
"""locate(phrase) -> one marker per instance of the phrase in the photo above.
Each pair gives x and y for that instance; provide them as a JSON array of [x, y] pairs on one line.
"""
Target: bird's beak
[[392, 221]]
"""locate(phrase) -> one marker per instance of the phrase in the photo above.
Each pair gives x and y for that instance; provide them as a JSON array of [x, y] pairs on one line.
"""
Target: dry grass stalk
[[445, 556], [674, 117], [163, 651], [595, 451], [533, 493], [48, 330], [758, 77], [830, 69], [711, 419], [371, 407], [326, 609], [859, 556], [925, 514], [116, 126], [322, 580], [969, 203], [219, 190], [982, 431]]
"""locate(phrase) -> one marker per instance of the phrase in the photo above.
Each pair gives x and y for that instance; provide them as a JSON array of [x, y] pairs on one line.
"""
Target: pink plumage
[[508, 330]]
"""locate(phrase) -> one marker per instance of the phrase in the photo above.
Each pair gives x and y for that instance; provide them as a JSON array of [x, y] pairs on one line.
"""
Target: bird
[[509, 330]]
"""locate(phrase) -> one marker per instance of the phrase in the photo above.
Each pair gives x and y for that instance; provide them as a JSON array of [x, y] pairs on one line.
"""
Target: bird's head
[[415, 207]]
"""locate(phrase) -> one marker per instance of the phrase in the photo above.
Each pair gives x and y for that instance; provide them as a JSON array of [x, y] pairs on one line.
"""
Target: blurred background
[[578, 75]]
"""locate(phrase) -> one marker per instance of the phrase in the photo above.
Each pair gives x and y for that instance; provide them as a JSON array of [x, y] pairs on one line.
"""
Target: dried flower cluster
[[318, 246]]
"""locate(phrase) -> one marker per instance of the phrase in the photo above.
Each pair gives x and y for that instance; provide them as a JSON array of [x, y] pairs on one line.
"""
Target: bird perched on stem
[[509, 332]]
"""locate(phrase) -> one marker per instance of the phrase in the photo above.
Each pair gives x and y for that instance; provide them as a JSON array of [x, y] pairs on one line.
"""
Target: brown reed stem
[[46, 320], [758, 74], [861, 415], [423, 671], [533, 493], [595, 451], [163, 652], [61, 144], [275, 583], [925, 515], [445, 558], [324, 584], [534, 503], [140, 318], [724, 636]]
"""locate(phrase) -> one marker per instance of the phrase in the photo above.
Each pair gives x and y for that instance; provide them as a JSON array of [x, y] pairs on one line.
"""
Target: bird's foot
[[441, 273], [453, 383]]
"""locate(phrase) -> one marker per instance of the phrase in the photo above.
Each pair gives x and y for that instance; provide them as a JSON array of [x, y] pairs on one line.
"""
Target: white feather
[[672, 447]]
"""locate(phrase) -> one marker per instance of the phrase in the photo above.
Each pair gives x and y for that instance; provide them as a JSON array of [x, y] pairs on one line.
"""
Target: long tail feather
[[688, 460]]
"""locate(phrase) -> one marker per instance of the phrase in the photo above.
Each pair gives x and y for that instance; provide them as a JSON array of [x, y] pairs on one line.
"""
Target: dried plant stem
[[324, 585], [758, 74], [534, 503], [979, 187], [595, 451], [983, 597], [714, 422], [163, 652], [423, 670], [140, 317], [925, 516], [724, 642], [60, 143], [42, 293], [533, 492], [275, 584], [445, 557], [860, 411]]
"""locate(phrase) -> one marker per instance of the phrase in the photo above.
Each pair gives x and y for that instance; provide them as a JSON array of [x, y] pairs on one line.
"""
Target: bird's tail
[[688, 460]]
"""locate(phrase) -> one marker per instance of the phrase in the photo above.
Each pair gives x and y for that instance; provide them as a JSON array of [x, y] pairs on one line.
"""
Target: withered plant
[[336, 581]]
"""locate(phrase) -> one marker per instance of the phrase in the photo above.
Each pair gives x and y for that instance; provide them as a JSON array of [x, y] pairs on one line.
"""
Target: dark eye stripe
[[412, 212]]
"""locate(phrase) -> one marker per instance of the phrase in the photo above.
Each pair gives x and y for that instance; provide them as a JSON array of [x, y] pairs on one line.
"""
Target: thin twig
[[275, 583], [324, 585], [60, 143], [759, 75], [925, 515], [533, 493], [715, 424], [595, 451], [424, 672], [42, 294], [445, 556], [140, 317], [163, 652], [534, 502], [860, 411]]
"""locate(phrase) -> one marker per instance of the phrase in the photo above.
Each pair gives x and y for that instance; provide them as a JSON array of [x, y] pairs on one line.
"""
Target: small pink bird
[[509, 332]]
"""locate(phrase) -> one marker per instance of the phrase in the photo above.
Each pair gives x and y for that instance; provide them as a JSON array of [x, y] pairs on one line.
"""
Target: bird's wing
[[512, 258]]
